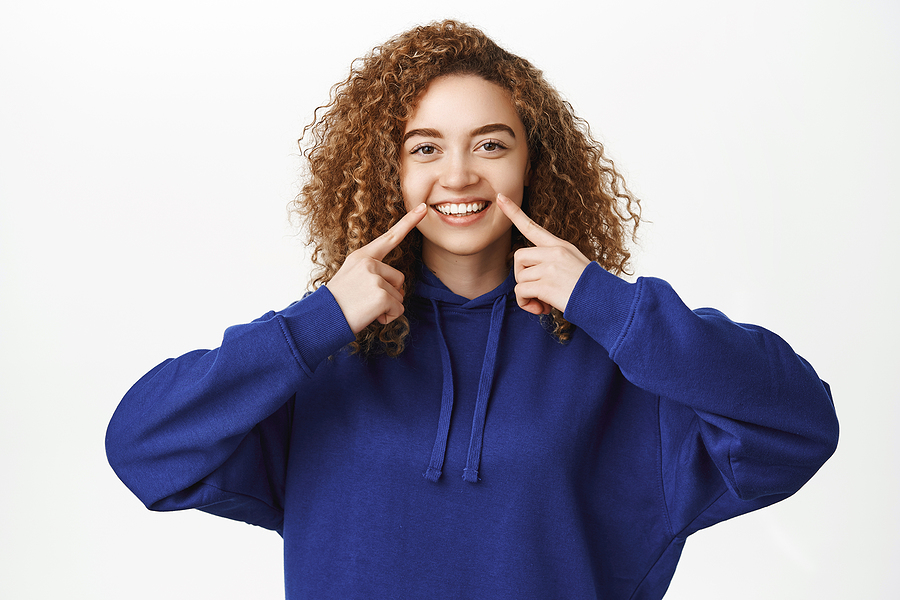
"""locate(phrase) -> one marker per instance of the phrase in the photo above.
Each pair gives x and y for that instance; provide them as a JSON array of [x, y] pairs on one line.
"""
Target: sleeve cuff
[[602, 305], [317, 327]]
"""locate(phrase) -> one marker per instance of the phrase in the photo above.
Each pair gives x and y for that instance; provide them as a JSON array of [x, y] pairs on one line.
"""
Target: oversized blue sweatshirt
[[488, 460]]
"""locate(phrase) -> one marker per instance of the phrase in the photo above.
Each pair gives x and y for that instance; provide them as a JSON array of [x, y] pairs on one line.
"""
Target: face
[[463, 144]]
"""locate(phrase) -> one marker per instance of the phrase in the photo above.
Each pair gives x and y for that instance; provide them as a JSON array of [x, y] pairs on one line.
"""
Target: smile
[[452, 209]]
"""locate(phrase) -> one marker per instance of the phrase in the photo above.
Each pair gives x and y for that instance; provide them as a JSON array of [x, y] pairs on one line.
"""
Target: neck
[[467, 276]]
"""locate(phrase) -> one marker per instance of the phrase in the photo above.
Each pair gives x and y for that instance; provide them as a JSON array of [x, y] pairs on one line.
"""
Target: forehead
[[463, 102]]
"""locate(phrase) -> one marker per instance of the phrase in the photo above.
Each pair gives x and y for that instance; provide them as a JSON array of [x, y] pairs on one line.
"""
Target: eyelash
[[419, 149], [499, 145]]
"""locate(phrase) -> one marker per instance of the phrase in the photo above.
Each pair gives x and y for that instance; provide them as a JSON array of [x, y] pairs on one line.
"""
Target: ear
[[527, 177]]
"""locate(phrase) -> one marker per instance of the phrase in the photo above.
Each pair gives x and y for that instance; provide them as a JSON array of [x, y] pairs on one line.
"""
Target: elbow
[[784, 464], [117, 444], [813, 451], [826, 443], [121, 459], [132, 461], [812, 443], [823, 437]]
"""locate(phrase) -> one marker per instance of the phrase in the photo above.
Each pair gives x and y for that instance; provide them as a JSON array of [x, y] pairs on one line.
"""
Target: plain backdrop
[[148, 152]]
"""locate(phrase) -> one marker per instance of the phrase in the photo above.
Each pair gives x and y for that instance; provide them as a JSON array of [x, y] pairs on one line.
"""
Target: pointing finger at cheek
[[536, 234], [390, 239]]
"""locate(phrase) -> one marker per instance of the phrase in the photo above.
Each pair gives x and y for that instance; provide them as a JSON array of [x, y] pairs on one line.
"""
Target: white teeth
[[460, 209]]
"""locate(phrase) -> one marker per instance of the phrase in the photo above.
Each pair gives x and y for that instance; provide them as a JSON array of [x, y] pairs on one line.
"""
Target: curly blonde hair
[[351, 192]]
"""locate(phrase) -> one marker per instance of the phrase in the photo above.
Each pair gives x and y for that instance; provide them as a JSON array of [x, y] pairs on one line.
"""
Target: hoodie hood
[[432, 289]]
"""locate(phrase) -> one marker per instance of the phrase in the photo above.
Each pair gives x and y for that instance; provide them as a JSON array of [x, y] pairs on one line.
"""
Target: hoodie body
[[488, 460]]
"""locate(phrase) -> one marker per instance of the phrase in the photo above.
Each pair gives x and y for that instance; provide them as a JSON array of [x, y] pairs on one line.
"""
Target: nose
[[458, 172]]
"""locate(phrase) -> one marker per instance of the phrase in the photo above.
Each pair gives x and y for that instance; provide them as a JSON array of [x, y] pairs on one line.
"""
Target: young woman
[[471, 404]]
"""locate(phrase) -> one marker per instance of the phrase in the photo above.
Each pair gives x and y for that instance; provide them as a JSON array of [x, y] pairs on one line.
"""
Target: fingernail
[[420, 208], [501, 198]]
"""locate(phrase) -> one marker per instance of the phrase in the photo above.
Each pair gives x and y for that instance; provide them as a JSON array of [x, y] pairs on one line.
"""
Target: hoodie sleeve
[[744, 421], [211, 429]]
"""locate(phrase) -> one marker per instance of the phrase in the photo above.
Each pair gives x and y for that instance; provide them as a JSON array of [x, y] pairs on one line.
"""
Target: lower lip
[[462, 220]]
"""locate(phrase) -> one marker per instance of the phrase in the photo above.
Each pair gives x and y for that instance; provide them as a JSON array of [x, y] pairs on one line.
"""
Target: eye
[[492, 146], [424, 149]]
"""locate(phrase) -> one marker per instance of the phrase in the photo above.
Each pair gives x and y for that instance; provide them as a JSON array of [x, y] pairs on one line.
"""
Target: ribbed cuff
[[317, 326], [601, 304]]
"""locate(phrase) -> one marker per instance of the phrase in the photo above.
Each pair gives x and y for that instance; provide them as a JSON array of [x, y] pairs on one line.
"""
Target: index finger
[[390, 239], [531, 230]]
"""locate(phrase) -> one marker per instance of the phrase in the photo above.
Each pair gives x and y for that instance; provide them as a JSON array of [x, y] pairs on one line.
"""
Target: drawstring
[[433, 473], [473, 459]]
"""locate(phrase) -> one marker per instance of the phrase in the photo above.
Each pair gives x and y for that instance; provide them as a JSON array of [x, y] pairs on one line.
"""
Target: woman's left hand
[[547, 273]]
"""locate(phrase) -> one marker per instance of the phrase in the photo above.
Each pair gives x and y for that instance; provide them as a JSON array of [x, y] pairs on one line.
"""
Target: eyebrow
[[490, 128]]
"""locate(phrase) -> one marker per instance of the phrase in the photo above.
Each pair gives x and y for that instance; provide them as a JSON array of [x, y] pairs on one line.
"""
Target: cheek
[[410, 187], [511, 183]]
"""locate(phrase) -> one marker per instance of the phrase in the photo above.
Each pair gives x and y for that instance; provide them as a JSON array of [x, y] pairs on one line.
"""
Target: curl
[[351, 193]]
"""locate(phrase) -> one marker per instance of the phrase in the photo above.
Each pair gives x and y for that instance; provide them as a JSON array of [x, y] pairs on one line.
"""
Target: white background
[[147, 155]]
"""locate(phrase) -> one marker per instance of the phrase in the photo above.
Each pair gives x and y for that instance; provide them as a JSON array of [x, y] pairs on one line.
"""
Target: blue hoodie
[[488, 460]]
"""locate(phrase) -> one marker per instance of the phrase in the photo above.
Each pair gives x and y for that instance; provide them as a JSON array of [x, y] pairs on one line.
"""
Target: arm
[[210, 429], [738, 409], [758, 409]]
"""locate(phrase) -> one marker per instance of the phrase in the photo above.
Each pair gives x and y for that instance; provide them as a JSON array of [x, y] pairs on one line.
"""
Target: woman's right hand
[[365, 288]]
